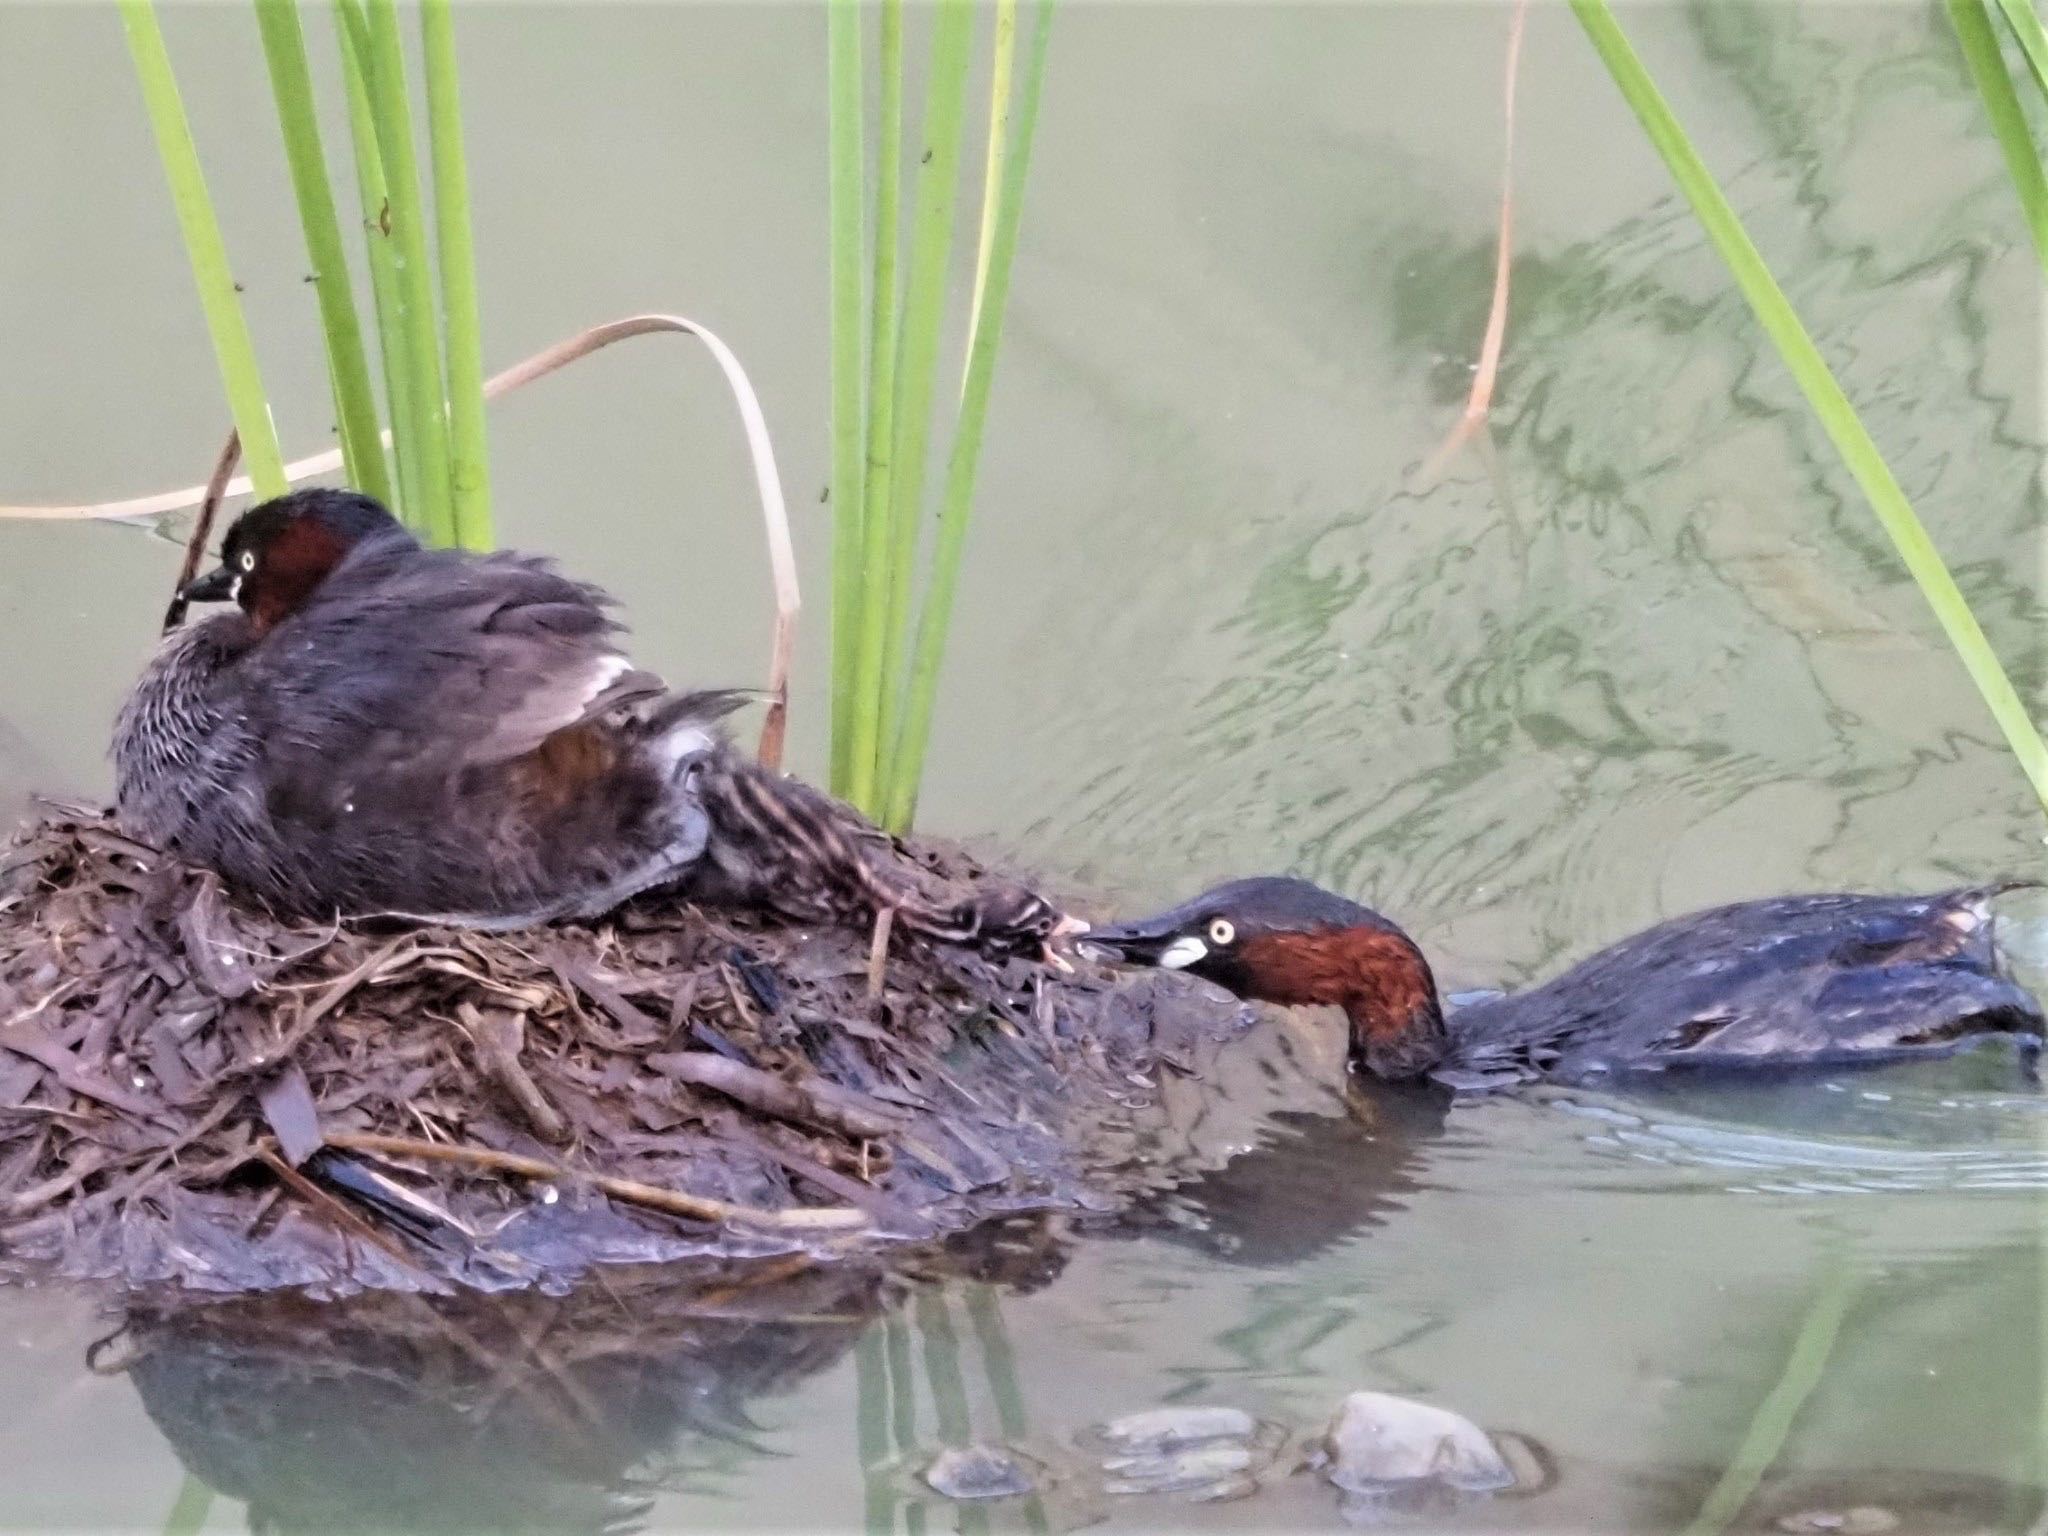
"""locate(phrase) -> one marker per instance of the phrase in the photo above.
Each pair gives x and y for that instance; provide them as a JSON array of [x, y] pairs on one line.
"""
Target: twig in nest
[[819, 1103], [878, 953], [27, 1201], [318, 1009], [332, 1207], [202, 528], [826, 1218], [499, 1036], [878, 1205]]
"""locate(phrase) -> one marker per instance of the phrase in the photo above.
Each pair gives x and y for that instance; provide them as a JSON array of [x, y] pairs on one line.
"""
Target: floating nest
[[195, 1092]]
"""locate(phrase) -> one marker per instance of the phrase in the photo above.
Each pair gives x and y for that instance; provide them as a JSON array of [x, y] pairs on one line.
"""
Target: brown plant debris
[[192, 1091]]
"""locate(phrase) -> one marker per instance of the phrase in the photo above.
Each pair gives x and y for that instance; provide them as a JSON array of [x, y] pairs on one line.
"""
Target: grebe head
[[276, 554], [1287, 941]]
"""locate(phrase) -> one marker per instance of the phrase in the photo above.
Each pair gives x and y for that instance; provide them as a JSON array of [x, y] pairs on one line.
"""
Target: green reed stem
[[2026, 26], [924, 305], [864, 725], [352, 30], [232, 349], [999, 1365], [1004, 66], [391, 116], [469, 470], [902, 1402], [934, 1313], [1979, 39], [191, 1509], [934, 1320], [871, 1427], [1772, 1424], [843, 93], [355, 401], [957, 499], [1823, 393]]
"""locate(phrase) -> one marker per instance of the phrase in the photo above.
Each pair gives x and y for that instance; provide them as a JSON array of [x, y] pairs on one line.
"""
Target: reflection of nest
[[671, 1081], [526, 1412]]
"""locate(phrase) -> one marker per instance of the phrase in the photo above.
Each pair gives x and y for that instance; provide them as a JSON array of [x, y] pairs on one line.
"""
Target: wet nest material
[[194, 1092]]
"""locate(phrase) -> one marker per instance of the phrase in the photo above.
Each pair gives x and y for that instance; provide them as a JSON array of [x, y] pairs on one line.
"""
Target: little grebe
[[1793, 980], [385, 728]]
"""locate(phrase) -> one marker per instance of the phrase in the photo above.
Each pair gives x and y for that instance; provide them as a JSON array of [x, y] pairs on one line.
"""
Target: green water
[[1659, 657]]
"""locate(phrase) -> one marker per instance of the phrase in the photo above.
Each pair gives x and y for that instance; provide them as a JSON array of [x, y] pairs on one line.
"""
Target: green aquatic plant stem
[[1003, 68], [902, 1402], [2026, 26], [957, 498], [933, 1314], [999, 1369], [924, 305], [427, 425], [233, 350], [352, 34], [355, 401], [1986, 60], [864, 725], [849, 449], [469, 475], [1772, 1423], [871, 1427], [1837, 416], [191, 1509], [933, 1311]]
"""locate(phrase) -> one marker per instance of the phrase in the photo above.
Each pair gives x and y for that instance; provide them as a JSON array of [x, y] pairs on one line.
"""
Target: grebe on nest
[[388, 729]]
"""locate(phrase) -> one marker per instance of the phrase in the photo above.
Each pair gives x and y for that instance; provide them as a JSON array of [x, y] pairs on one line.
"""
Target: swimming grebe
[[1790, 980], [384, 728]]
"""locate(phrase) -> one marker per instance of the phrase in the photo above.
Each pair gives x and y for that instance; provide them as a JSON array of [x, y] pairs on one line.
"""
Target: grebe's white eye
[[248, 560], [1221, 931]]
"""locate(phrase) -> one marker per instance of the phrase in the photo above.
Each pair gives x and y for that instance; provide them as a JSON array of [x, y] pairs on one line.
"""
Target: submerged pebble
[[977, 1472], [1378, 1440], [1164, 1428], [1211, 1454], [1188, 1469], [1860, 1520]]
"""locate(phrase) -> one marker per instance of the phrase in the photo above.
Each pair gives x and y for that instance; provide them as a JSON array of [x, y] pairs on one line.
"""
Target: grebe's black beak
[[216, 586], [1168, 941]]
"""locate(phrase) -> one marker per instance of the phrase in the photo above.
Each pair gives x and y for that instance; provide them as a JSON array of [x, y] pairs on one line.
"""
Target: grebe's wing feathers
[[408, 661], [1794, 978]]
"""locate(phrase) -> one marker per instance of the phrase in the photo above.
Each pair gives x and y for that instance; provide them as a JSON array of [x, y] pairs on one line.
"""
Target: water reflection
[[632, 1407], [1308, 1180], [560, 1413]]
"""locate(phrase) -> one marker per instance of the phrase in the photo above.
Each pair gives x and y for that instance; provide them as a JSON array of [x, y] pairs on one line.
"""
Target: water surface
[[1656, 654]]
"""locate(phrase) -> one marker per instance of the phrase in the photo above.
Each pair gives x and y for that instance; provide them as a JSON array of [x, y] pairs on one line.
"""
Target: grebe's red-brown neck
[[276, 555], [1290, 942]]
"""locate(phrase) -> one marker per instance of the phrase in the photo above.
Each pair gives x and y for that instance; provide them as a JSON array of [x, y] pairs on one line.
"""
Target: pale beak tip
[[1068, 927]]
